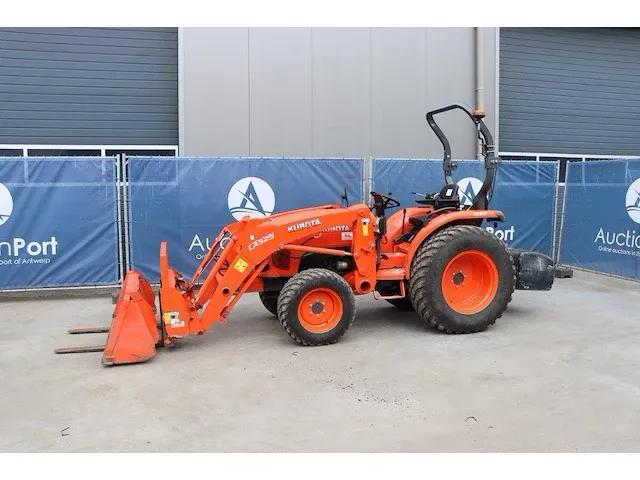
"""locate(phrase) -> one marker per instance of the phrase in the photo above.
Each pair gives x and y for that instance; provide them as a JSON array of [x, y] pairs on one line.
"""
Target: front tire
[[462, 279], [316, 307]]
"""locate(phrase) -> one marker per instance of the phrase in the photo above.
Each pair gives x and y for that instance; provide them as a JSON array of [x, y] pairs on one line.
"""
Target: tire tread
[[422, 274], [292, 289]]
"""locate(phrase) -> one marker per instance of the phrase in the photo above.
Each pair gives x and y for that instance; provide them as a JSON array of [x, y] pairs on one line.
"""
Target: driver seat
[[446, 198]]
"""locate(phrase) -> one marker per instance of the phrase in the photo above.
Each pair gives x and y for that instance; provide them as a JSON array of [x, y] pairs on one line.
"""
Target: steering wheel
[[381, 202]]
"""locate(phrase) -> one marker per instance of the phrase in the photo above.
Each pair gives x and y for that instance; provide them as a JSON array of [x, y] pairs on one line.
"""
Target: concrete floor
[[559, 372]]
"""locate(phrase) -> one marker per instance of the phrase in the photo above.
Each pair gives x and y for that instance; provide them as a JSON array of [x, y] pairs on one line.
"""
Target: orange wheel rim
[[470, 282], [320, 310]]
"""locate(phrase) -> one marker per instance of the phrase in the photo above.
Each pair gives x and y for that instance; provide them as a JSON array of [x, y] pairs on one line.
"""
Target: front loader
[[309, 264]]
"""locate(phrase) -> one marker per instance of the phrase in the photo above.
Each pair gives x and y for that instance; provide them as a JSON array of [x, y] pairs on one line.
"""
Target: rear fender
[[447, 220]]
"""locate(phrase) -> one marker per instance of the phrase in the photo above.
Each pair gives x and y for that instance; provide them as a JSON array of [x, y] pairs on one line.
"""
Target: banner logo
[[26, 251], [623, 242], [251, 196], [468, 188], [6, 204], [633, 201]]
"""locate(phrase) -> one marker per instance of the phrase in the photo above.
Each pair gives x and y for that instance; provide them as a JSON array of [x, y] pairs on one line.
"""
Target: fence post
[[119, 219], [556, 234], [564, 212], [368, 177], [125, 190]]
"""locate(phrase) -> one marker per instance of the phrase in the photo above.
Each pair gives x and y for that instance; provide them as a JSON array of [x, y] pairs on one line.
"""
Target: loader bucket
[[134, 333]]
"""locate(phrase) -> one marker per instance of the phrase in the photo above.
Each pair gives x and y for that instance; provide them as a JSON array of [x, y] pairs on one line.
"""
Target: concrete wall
[[338, 92]]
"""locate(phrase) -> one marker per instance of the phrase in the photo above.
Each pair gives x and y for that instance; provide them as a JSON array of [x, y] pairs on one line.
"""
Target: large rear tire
[[462, 279], [270, 301], [316, 307]]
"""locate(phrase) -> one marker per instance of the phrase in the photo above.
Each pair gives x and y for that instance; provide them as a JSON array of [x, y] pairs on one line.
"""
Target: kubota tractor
[[307, 265]]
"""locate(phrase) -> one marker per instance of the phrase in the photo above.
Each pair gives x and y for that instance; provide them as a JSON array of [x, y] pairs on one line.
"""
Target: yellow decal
[[365, 229], [167, 317], [241, 265]]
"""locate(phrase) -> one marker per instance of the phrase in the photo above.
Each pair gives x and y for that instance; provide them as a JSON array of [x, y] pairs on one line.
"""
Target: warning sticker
[[173, 319], [241, 265], [176, 322]]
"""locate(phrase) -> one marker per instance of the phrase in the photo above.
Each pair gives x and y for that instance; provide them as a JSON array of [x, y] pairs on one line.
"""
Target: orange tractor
[[307, 266]]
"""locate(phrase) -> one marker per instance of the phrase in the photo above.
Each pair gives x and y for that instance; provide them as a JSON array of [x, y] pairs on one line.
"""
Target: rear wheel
[[462, 279], [316, 307], [270, 301]]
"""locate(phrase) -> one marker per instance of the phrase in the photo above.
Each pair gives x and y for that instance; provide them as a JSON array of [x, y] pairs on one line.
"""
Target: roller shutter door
[[89, 86], [570, 91]]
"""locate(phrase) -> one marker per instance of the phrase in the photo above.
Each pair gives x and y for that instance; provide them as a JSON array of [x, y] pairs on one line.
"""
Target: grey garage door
[[89, 86], [570, 90]]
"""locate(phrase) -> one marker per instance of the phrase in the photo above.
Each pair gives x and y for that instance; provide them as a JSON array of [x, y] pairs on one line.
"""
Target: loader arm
[[249, 246]]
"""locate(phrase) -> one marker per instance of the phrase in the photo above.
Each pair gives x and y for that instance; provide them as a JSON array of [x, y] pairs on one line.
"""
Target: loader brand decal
[[338, 228], [345, 231], [304, 225], [468, 188], [6, 204], [251, 196], [18, 250], [626, 242], [268, 237]]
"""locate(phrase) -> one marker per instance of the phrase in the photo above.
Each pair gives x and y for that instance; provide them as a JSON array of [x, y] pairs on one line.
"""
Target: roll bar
[[491, 162]]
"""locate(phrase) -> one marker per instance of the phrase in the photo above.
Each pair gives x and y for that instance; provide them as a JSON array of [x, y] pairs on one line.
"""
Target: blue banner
[[524, 190], [601, 224], [58, 222], [186, 201]]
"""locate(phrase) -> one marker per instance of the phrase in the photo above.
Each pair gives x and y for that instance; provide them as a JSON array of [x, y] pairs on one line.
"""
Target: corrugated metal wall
[[335, 92], [572, 90], [569, 91], [83, 86]]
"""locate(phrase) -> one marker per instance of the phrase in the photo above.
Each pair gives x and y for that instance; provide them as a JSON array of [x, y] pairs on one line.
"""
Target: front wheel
[[316, 307], [462, 279]]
